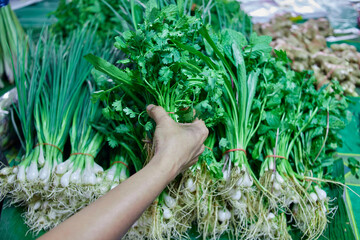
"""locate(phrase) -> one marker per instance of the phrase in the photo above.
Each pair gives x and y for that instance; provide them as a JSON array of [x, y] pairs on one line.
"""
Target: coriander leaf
[[224, 143], [165, 75], [130, 112], [113, 143], [122, 128], [118, 105], [148, 126]]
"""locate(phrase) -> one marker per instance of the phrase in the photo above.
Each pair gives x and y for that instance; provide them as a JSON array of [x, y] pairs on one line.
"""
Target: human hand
[[178, 144]]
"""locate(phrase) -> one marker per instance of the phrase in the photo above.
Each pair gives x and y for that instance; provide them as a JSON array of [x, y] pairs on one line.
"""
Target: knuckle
[[204, 130]]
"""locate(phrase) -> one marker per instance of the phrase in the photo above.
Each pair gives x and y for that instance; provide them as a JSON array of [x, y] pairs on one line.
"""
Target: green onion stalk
[[29, 75], [11, 37]]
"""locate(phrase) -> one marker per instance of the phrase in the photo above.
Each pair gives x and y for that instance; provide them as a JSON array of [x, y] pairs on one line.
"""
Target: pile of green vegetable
[[269, 152], [273, 135]]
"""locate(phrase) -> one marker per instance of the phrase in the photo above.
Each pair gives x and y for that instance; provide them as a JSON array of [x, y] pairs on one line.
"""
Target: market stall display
[[270, 168]]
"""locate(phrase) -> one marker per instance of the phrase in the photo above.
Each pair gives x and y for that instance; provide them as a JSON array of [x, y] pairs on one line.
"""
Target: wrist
[[165, 165]]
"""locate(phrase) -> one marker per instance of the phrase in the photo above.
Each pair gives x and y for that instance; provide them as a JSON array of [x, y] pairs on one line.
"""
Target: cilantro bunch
[[158, 71]]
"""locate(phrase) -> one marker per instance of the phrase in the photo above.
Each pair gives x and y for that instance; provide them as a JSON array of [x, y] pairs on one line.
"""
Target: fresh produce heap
[[11, 33], [305, 45], [272, 134]]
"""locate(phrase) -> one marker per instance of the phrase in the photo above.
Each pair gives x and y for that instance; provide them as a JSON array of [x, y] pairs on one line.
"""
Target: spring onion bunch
[[50, 81], [59, 98], [79, 172], [30, 75]]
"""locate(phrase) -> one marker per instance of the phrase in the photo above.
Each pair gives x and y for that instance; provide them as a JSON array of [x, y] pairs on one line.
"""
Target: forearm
[[113, 214]]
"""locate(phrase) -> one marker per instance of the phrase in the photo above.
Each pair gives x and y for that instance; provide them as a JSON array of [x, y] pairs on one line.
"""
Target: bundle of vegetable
[[78, 181], [29, 77], [68, 71], [59, 103], [167, 75], [297, 103], [291, 139], [163, 73], [277, 174], [240, 126], [77, 175], [49, 92], [11, 36]]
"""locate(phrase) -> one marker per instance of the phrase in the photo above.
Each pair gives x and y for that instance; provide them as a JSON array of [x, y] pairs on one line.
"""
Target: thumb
[[157, 113]]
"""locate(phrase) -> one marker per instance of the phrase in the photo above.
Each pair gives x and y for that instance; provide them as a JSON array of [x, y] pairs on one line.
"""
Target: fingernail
[[150, 106]]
